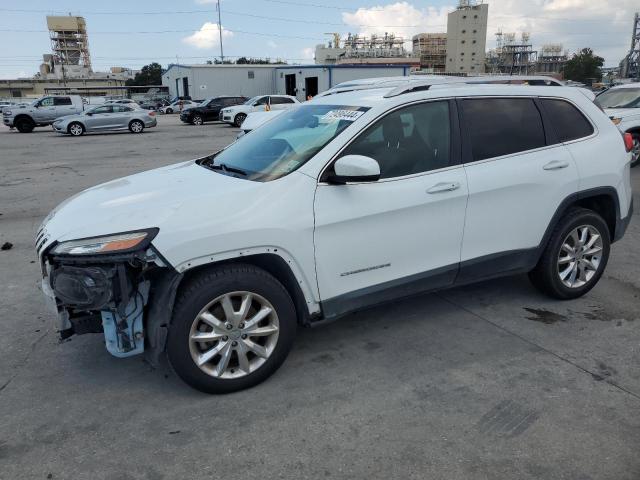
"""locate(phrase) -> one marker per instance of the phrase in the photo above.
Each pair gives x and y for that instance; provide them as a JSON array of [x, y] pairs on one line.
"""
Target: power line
[[153, 32]]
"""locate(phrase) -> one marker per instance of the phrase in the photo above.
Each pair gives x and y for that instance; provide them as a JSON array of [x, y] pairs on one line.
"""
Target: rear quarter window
[[567, 121]]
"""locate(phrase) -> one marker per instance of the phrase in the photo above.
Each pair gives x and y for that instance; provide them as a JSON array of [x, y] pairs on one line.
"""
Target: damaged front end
[[118, 285]]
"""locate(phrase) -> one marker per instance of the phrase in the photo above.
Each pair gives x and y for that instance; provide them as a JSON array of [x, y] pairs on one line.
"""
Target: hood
[[145, 200], [622, 112]]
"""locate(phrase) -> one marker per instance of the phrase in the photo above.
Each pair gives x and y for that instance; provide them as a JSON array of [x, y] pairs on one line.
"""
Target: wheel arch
[[84, 129], [602, 200], [23, 116], [167, 282]]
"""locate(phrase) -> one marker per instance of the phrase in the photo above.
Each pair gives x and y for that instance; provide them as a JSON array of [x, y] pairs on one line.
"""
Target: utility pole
[[220, 32]]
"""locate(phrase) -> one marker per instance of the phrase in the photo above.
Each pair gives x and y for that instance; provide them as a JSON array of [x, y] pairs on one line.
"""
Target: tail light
[[152, 113], [628, 141]]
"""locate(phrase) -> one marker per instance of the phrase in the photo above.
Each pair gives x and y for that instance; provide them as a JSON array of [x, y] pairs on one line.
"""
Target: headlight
[[118, 243], [7, 112], [616, 121]]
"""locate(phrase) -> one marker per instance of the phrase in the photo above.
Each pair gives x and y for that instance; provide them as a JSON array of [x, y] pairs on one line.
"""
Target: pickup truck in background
[[41, 112]]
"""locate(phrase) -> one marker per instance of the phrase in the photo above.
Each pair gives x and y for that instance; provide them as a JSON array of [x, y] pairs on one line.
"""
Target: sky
[[135, 33]]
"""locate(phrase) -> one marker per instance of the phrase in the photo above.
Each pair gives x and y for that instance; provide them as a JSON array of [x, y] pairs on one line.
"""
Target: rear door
[[518, 176], [64, 106], [120, 116]]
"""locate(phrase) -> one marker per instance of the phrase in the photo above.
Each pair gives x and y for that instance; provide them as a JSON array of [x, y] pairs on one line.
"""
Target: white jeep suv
[[347, 201]]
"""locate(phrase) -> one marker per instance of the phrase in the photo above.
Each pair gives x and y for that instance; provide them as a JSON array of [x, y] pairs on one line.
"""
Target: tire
[[550, 274], [76, 129], [635, 159], [25, 125], [197, 120], [239, 119], [136, 126], [204, 294], [169, 110]]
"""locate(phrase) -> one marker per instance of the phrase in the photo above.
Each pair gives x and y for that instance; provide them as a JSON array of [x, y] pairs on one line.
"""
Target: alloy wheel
[[197, 120], [234, 335], [136, 127], [75, 129], [580, 256]]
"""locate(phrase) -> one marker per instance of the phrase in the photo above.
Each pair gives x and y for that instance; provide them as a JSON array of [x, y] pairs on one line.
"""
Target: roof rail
[[417, 86]]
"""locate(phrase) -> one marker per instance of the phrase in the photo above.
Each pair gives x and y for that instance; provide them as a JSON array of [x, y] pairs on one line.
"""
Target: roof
[[380, 96]]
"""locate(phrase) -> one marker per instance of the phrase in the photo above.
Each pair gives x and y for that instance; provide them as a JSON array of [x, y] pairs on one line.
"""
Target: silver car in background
[[106, 117]]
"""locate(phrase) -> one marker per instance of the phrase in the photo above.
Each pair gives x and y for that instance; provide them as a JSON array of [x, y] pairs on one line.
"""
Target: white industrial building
[[201, 81]]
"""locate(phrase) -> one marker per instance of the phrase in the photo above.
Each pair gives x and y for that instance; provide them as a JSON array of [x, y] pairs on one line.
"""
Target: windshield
[[252, 100], [620, 98], [285, 143]]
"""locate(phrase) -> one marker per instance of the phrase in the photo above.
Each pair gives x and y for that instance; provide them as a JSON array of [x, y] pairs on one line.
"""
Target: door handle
[[444, 187], [556, 165]]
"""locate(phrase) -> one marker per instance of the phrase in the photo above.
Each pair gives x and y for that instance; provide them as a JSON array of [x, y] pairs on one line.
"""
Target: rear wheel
[[575, 257], [197, 120], [239, 120], [635, 151], [136, 126], [25, 125], [76, 129], [232, 328]]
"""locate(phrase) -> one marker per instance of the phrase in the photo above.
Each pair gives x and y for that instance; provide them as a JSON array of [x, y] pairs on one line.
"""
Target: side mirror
[[89, 114], [355, 168]]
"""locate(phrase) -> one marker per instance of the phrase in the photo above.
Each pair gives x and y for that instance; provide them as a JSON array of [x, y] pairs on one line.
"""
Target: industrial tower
[[631, 64], [69, 41]]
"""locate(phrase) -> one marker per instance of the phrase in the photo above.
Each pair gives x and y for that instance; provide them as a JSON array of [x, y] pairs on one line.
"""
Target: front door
[[401, 234], [311, 87], [290, 84], [47, 110], [101, 118]]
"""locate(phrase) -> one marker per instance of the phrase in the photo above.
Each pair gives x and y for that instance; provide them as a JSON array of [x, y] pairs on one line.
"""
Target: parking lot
[[490, 381]]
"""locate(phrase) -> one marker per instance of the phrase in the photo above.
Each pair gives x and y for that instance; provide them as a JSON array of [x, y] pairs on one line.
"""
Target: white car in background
[[178, 106], [256, 119], [237, 114], [622, 104]]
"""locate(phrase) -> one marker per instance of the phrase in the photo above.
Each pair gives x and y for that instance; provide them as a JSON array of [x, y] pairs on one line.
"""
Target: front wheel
[[575, 257], [136, 126], [169, 110], [239, 120], [635, 150], [197, 120], [232, 328], [76, 129], [25, 125]]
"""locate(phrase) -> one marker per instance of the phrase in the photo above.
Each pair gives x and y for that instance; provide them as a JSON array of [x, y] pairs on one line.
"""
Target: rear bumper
[[623, 223], [151, 123], [8, 122]]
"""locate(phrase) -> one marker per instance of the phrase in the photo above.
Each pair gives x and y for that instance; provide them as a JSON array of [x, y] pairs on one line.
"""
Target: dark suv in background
[[209, 110]]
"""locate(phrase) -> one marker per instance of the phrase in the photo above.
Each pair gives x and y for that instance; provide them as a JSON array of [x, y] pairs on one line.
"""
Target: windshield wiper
[[226, 168]]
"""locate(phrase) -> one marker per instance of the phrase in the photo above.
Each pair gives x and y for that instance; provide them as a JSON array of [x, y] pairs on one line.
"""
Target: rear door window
[[567, 121], [62, 101], [502, 126]]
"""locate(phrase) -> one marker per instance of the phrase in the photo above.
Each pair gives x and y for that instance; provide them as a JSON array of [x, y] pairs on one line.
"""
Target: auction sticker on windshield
[[349, 115]]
